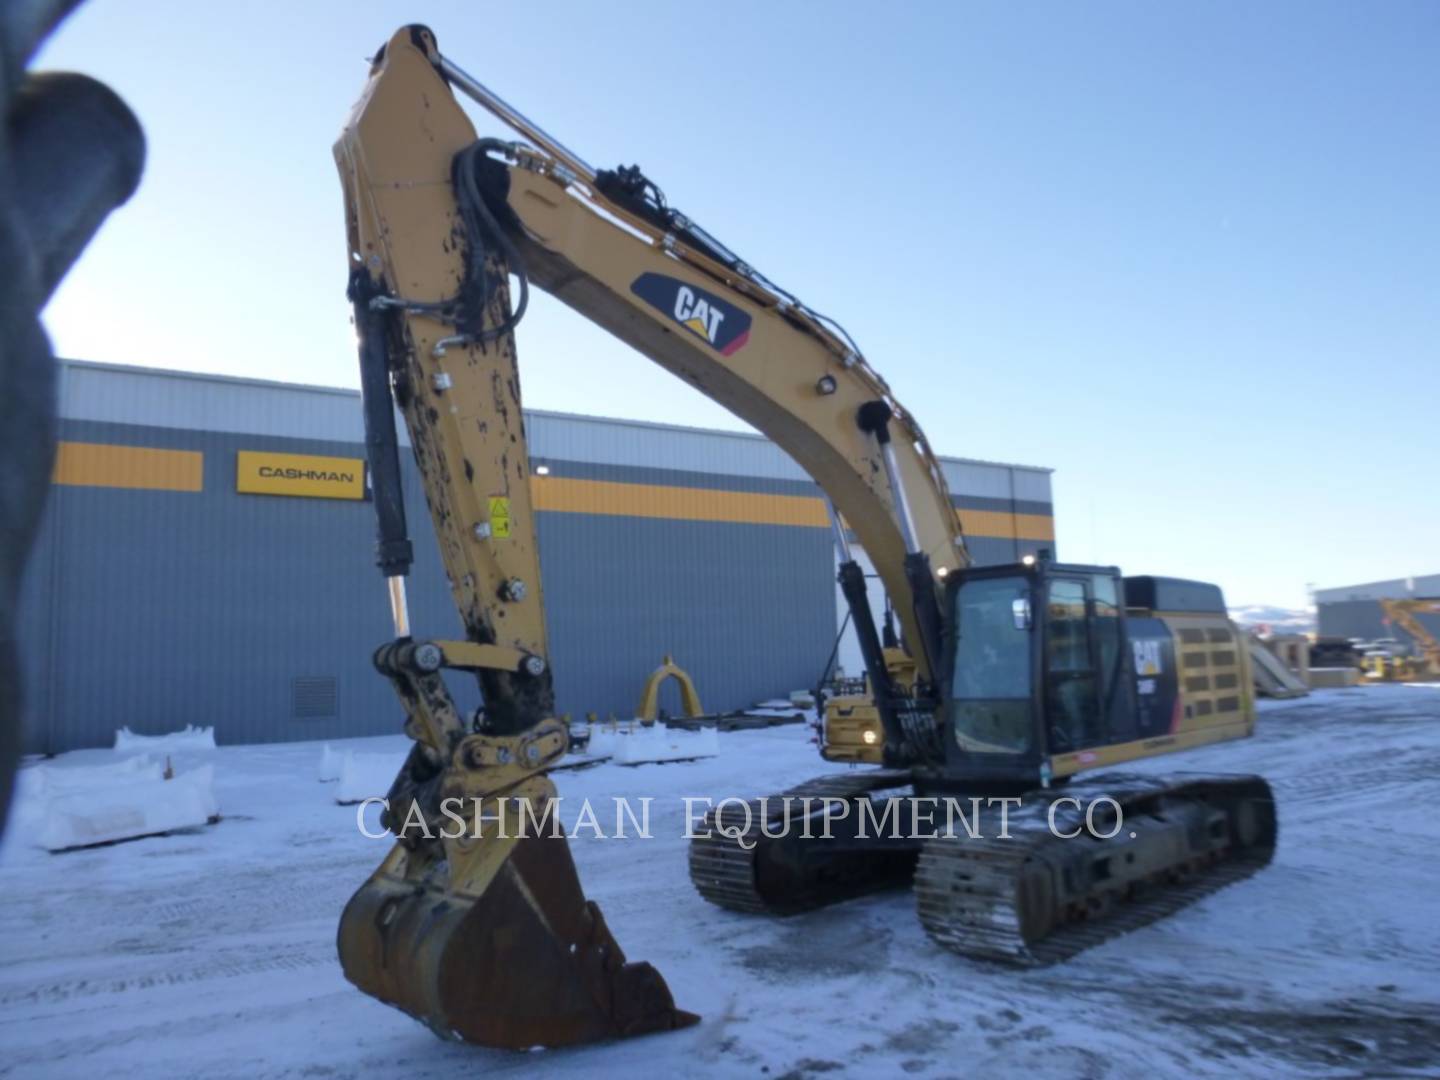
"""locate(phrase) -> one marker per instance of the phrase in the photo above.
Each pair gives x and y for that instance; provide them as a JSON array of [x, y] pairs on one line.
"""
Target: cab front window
[[990, 690]]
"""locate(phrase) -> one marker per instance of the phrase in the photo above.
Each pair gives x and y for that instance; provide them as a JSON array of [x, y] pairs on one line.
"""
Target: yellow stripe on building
[[1006, 525], [140, 467], [686, 504], [742, 507], [101, 465]]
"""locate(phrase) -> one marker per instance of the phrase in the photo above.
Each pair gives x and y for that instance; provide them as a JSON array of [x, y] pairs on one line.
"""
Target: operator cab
[[1038, 668], [1048, 675]]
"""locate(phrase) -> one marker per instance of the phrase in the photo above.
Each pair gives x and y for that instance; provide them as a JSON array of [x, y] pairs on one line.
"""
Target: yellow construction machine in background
[[1392, 668]]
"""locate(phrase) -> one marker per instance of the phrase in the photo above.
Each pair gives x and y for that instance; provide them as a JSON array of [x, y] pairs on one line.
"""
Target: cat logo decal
[[718, 323]]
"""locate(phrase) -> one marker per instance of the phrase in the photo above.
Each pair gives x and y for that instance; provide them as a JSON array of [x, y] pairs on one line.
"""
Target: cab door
[[1088, 681], [1072, 702], [1114, 661]]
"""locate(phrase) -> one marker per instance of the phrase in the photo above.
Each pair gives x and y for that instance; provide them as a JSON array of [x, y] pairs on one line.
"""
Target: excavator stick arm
[[480, 931]]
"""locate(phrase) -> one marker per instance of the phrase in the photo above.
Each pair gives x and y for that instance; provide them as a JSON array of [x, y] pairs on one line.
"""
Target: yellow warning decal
[[500, 517]]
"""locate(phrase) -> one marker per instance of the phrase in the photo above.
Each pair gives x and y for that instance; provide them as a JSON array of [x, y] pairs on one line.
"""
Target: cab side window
[[1067, 646], [1108, 632], [1071, 704]]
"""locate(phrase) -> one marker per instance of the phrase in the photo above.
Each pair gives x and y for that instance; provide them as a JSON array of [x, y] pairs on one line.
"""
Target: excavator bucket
[[527, 962]]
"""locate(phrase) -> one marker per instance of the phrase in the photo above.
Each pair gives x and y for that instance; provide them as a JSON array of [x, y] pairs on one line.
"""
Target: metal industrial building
[[1354, 611], [170, 586]]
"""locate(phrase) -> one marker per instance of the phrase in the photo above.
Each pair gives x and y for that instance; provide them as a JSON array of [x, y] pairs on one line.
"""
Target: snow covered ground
[[211, 952]]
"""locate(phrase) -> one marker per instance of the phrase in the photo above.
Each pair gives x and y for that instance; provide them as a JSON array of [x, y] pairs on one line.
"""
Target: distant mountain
[[1280, 620]]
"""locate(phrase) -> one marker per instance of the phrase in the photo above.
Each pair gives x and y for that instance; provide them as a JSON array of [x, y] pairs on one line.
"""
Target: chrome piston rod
[[493, 103]]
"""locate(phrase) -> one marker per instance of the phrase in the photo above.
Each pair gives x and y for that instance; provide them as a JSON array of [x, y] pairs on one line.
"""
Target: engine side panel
[[1192, 688]]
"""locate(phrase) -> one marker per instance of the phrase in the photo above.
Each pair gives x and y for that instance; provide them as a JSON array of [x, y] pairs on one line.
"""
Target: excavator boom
[[607, 244]]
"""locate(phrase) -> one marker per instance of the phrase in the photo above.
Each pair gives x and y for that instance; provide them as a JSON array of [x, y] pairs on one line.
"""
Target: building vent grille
[[312, 696]]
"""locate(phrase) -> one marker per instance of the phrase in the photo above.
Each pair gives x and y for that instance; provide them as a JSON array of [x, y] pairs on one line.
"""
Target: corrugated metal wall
[[174, 607], [1424, 585], [1006, 511], [154, 608]]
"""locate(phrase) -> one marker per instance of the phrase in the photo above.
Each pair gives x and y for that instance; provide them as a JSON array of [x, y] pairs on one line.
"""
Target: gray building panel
[[990, 550], [181, 607], [1032, 484], [173, 607], [154, 608], [639, 444], [646, 474], [1424, 585], [976, 479], [1005, 489], [996, 480], [190, 401], [160, 398], [735, 604], [35, 624], [1004, 506]]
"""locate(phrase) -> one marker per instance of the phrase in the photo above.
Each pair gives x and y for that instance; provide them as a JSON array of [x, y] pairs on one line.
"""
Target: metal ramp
[[1271, 677]]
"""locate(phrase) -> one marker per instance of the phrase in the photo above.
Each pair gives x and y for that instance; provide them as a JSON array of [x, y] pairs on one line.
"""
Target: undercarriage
[[1027, 880]]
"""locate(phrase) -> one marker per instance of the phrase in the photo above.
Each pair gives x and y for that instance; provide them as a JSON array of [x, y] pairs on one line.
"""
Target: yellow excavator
[[1402, 613], [1003, 684]]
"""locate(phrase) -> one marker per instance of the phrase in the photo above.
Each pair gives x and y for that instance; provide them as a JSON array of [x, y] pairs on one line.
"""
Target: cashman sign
[[259, 473]]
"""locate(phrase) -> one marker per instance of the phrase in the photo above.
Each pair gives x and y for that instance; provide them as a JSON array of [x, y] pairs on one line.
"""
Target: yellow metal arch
[[650, 700]]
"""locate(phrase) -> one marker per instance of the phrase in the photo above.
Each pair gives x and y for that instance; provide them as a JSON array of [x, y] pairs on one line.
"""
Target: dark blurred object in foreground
[[70, 152]]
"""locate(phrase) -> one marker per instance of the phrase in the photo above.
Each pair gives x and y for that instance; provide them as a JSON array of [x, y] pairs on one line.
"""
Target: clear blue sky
[[1187, 255]]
